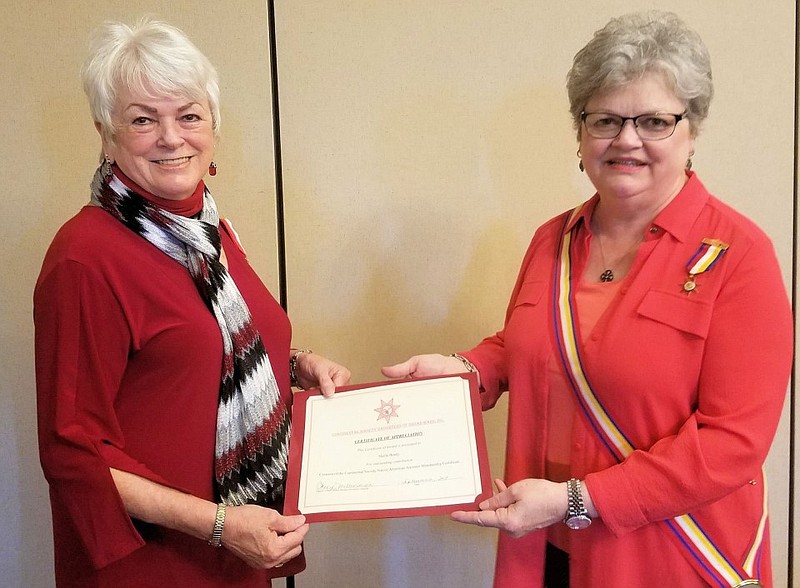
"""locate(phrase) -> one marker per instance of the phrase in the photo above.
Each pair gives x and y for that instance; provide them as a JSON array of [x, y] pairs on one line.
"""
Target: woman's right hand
[[262, 537], [430, 364]]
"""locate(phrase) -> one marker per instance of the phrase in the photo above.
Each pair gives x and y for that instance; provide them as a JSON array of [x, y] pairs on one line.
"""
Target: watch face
[[578, 522]]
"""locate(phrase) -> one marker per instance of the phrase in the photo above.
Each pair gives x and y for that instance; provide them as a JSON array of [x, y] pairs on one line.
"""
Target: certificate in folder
[[389, 449]]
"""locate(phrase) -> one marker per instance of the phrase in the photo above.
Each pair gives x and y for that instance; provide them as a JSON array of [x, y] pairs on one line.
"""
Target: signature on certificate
[[342, 486]]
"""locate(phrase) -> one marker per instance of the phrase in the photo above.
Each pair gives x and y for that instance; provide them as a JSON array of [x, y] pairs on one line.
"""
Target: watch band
[[577, 516]]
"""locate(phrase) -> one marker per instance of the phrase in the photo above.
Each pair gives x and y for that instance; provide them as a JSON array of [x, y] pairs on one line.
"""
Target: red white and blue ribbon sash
[[700, 549]]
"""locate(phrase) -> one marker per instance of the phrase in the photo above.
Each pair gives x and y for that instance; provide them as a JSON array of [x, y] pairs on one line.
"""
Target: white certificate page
[[403, 445]]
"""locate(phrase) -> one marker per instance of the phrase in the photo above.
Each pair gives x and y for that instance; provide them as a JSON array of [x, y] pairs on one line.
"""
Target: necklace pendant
[[607, 276]]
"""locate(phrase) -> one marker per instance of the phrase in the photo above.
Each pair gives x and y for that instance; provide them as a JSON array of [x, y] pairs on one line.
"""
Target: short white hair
[[148, 56]]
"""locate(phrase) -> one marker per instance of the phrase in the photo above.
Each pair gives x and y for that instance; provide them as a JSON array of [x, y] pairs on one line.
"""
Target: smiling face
[[646, 173], [164, 143]]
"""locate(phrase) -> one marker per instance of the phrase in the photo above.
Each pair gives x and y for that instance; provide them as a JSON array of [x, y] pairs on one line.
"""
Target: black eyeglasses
[[650, 127]]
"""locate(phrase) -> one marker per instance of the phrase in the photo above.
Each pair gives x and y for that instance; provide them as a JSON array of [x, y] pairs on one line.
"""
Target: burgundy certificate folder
[[398, 448]]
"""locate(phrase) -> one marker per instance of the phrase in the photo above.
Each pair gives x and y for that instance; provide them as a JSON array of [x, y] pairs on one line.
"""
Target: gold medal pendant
[[709, 253]]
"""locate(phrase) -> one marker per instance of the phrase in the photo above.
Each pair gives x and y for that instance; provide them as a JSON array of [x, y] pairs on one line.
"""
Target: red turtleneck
[[186, 207]]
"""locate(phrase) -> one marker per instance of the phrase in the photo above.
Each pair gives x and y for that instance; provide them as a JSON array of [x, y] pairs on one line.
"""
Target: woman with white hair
[[646, 350], [163, 364]]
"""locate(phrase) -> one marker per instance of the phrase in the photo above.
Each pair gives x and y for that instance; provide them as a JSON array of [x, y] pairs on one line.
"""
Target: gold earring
[[580, 161]]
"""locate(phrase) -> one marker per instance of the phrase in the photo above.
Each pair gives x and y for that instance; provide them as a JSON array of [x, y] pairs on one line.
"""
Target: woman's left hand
[[262, 537], [316, 371], [518, 509]]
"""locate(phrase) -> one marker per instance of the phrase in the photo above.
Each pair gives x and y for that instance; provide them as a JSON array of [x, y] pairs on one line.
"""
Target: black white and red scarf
[[252, 419]]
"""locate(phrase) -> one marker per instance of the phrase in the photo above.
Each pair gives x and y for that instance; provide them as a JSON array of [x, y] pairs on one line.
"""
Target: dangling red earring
[[212, 169]]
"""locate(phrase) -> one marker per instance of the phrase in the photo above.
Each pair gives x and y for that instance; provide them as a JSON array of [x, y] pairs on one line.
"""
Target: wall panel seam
[[280, 218]]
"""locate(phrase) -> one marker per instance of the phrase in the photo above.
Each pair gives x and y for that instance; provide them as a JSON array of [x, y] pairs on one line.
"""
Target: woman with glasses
[[646, 349]]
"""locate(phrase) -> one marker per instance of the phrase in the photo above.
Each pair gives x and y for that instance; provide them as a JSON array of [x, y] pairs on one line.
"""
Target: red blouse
[[697, 382], [128, 362]]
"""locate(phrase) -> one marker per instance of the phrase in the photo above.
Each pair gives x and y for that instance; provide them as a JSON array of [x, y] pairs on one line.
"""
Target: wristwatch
[[577, 516]]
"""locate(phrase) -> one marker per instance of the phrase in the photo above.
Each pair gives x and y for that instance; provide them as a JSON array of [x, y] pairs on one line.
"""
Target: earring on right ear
[[580, 161]]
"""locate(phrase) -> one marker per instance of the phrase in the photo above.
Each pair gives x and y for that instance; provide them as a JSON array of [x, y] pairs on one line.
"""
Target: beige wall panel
[[49, 153], [423, 143]]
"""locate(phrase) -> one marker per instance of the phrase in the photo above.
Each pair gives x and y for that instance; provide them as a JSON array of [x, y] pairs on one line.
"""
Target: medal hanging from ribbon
[[709, 253]]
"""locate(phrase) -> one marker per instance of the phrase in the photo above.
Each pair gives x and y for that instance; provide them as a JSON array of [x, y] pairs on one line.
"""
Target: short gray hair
[[638, 44], [148, 55]]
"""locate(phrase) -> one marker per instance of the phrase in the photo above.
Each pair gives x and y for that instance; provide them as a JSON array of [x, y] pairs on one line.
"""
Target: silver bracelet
[[470, 367], [293, 379]]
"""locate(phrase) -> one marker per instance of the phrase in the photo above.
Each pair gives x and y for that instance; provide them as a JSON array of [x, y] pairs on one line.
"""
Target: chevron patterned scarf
[[252, 419]]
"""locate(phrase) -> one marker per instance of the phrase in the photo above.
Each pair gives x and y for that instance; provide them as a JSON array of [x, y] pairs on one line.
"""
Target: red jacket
[[697, 383]]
